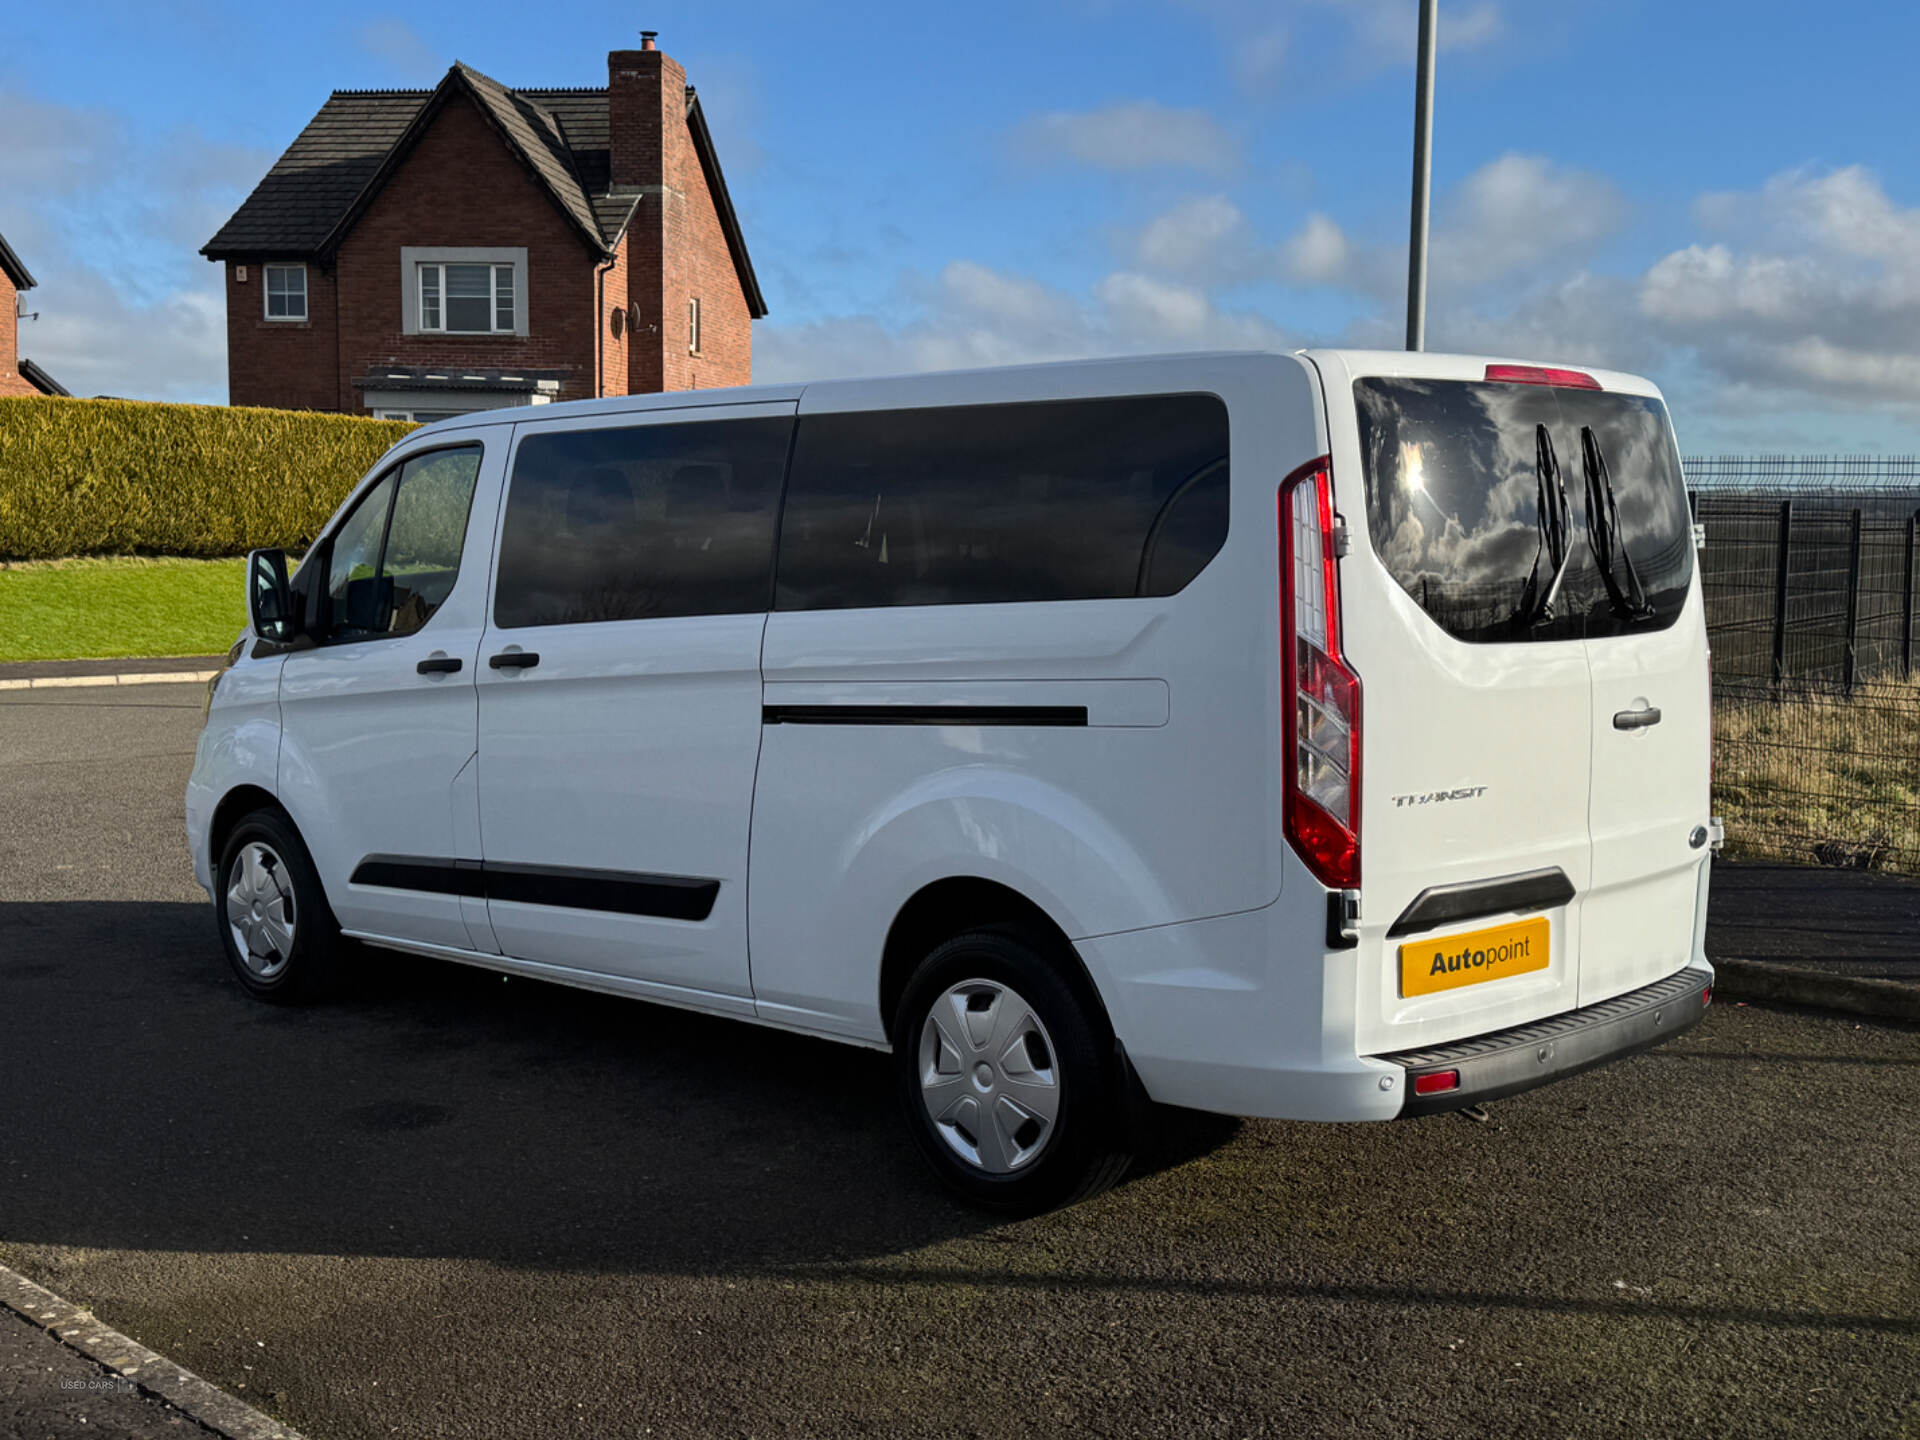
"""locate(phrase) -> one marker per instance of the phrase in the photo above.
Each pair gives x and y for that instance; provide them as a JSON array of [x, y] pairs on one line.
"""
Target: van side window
[[1050, 500], [393, 561], [641, 522]]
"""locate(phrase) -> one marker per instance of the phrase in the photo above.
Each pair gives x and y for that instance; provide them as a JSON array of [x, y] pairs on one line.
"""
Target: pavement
[[1841, 922], [456, 1205], [51, 1392], [31, 674]]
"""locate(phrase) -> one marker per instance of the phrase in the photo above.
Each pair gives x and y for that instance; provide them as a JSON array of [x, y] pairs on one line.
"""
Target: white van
[[1320, 736]]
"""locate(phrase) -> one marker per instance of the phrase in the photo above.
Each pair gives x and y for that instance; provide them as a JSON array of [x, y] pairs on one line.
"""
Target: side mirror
[[269, 597]]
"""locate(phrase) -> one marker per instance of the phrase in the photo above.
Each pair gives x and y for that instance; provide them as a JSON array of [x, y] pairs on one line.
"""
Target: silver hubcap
[[260, 910], [988, 1076]]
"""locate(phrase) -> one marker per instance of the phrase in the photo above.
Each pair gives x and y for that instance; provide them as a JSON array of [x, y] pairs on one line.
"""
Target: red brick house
[[420, 253], [18, 376]]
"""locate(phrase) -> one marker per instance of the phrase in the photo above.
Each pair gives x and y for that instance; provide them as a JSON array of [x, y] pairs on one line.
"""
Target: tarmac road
[[460, 1206]]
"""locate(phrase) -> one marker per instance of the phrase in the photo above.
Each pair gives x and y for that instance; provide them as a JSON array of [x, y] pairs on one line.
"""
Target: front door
[[379, 717], [619, 691]]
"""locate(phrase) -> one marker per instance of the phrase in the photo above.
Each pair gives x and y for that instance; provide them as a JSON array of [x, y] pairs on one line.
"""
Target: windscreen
[[1526, 512]]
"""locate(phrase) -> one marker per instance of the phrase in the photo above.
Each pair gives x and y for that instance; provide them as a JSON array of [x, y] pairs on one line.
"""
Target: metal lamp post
[[1422, 181]]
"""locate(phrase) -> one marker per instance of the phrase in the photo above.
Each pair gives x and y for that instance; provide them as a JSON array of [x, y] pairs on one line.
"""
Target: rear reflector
[[1542, 375], [1437, 1082], [1706, 996]]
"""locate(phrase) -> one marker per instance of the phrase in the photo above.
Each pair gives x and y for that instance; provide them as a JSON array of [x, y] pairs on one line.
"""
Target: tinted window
[[1061, 500], [641, 523], [393, 561], [354, 603], [424, 540], [1464, 501]]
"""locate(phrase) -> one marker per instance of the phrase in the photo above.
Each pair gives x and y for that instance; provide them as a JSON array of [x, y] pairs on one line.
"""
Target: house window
[[286, 292], [467, 299], [693, 327]]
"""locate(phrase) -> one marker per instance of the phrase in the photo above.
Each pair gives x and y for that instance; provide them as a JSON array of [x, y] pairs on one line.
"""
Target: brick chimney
[[646, 100]]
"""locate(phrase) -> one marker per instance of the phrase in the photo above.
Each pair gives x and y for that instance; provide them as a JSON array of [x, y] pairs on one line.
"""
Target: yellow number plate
[[1446, 963]]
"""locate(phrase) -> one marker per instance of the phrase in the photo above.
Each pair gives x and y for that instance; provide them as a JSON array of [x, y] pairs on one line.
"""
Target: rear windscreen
[[1526, 512]]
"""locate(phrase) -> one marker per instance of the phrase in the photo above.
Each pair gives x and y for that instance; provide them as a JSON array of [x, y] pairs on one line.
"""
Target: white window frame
[[414, 257], [693, 324], [266, 295]]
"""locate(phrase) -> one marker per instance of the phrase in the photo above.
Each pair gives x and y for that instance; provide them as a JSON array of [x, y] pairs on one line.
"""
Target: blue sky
[[1724, 197]]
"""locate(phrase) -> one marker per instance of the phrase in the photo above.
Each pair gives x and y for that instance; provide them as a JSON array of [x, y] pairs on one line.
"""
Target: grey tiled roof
[[309, 190], [316, 190]]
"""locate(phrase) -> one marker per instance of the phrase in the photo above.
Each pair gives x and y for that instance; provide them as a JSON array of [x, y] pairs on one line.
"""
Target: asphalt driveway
[[464, 1206]]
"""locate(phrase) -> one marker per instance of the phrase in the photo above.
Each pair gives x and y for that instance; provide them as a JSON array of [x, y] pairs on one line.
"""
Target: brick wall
[[10, 381], [677, 246], [462, 186], [289, 364]]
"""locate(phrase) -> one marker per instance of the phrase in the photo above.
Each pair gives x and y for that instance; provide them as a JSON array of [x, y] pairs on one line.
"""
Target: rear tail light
[[1542, 375], [1322, 696], [1437, 1083]]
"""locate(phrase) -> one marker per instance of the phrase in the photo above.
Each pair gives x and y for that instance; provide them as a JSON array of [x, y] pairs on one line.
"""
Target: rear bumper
[[1506, 1062]]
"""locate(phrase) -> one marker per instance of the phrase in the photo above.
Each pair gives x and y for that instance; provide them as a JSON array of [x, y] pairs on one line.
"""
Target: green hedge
[[122, 477]]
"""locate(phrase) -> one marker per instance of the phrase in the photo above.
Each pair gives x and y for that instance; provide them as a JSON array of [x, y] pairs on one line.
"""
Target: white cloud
[[1817, 301], [1319, 254], [1518, 211], [1131, 135], [971, 315], [110, 220], [1197, 236]]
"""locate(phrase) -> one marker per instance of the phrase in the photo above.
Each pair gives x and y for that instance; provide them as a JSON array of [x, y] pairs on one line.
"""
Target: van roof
[[1356, 363]]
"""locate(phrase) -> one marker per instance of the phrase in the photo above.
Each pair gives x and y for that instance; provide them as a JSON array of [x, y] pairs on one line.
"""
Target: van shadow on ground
[[438, 1110]]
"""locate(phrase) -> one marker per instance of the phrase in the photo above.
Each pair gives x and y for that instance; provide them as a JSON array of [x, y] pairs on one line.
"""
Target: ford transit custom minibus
[[1320, 736]]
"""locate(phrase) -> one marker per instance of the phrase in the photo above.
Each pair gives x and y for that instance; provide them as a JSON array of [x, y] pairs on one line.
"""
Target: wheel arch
[[955, 904], [238, 803]]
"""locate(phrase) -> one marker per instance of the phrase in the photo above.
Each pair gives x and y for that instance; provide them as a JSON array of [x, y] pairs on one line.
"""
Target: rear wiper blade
[[1556, 526], [1629, 602]]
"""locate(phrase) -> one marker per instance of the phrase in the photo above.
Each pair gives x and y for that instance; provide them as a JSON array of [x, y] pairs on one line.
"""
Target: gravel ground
[[453, 1205]]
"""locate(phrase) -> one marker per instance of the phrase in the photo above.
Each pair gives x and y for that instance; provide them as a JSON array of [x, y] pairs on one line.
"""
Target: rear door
[[1647, 646], [1476, 716], [1533, 660], [619, 691]]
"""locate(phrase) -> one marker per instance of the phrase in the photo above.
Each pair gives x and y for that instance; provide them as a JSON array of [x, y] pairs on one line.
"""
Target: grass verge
[[120, 606], [1820, 777]]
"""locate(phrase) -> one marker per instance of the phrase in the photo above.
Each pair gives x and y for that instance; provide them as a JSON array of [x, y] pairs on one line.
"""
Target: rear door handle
[[1637, 719], [515, 660], [439, 665]]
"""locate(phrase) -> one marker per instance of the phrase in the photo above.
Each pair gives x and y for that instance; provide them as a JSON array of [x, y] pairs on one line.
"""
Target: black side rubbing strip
[[668, 897], [924, 715], [1449, 904], [671, 897], [415, 872]]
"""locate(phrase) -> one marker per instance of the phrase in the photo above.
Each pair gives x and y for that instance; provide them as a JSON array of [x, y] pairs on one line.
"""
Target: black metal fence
[[1809, 575]]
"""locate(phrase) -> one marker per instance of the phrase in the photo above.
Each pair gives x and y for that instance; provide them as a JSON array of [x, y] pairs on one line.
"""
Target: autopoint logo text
[[1486, 957]]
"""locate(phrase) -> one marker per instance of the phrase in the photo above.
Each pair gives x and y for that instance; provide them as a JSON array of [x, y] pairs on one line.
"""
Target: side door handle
[[515, 660], [1636, 719], [439, 665]]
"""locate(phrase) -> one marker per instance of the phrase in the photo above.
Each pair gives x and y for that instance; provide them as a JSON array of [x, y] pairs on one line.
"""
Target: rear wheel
[[279, 933], [1011, 1085]]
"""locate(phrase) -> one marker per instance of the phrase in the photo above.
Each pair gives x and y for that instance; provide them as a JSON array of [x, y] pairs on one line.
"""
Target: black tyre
[[279, 933], [1011, 1082]]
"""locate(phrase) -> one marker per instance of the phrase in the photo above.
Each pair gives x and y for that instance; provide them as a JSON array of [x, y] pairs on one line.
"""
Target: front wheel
[[278, 931], [1011, 1085]]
